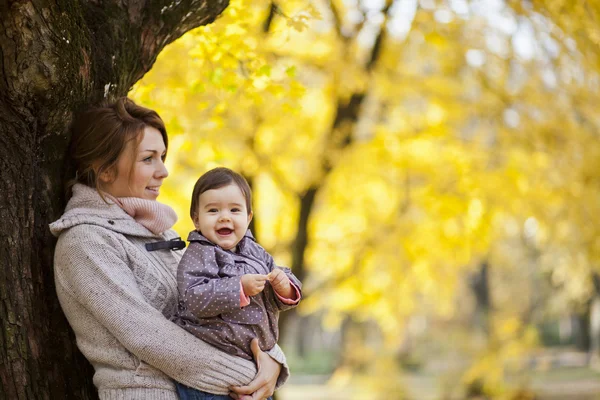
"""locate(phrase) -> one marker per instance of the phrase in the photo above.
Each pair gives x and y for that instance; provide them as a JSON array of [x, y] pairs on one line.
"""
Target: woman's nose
[[162, 171]]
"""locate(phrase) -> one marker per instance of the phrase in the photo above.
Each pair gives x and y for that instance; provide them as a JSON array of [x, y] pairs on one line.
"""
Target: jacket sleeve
[[295, 282], [93, 271], [203, 291]]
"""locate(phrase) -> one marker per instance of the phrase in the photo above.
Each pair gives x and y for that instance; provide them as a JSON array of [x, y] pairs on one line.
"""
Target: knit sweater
[[116, 296]]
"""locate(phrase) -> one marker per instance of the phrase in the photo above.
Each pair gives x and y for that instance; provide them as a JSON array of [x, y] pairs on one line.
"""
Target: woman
[[115, 267]]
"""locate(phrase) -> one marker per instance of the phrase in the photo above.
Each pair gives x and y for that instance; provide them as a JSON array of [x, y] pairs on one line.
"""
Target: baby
[[230, 290]]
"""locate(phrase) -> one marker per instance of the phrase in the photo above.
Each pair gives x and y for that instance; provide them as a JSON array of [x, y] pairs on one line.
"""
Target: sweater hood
[[87, 207]]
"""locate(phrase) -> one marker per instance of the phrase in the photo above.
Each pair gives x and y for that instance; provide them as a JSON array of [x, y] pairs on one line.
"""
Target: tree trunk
[[594, 324], [57, 56], [581, 329], [339, 138], [479, 282]]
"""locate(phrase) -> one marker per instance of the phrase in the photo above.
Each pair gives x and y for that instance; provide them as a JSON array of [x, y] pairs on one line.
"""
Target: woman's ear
[[107, 175]]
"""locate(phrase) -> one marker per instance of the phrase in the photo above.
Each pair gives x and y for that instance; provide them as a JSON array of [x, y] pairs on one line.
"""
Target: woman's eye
[[147, 159], [163, 157]]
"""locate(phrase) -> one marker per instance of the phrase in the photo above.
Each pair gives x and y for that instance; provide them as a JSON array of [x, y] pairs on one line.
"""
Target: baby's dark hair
[[217, 178]]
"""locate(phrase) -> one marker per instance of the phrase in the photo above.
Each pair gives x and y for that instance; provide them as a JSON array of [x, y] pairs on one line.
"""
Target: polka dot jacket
[[208, 280]]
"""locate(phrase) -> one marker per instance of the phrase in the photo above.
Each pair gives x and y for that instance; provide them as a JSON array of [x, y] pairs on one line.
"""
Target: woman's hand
[[265, 380]]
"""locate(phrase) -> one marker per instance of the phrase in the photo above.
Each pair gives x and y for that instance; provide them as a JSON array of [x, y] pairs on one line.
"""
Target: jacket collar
[[196, 236], [87, 207]]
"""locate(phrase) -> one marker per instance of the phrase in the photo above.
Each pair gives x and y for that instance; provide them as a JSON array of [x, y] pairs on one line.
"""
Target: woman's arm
[[93, 270]]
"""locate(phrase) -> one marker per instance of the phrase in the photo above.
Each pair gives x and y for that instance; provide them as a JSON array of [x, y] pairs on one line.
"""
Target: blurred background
[[430, 169]]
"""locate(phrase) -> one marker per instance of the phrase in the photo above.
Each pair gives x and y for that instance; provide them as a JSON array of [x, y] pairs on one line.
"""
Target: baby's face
[[222, 216]]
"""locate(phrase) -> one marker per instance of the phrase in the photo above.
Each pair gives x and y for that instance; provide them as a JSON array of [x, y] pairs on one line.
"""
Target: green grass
[[314, 363], [564, 375]]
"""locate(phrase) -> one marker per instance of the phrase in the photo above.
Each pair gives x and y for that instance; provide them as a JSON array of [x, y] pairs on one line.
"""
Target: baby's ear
[[250, 215], [196, 221]]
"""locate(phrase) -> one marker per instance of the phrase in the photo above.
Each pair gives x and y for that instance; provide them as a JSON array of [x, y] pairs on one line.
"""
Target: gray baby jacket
[[208, 280]]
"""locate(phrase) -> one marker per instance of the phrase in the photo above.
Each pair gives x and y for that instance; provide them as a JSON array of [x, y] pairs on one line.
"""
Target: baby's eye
[[235, 209], [212, 210]]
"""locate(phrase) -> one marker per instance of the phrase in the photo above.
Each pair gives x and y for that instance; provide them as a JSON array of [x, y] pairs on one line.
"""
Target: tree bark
[[57, 56]]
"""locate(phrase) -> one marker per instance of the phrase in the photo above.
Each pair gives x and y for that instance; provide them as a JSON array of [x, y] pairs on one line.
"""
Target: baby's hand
[[253, 284], [281, 283]]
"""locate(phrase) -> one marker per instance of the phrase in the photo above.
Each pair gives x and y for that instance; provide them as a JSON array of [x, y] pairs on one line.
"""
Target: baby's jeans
[[188, 393]]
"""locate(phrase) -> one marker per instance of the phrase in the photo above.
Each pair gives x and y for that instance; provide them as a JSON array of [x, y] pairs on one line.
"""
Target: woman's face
[[147, 173]]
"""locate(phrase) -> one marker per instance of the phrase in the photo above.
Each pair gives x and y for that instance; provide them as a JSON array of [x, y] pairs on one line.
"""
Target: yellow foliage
[[465, 146]]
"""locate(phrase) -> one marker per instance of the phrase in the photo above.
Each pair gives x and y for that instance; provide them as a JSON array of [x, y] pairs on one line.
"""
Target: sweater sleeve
[[277, 354], [94, 271]]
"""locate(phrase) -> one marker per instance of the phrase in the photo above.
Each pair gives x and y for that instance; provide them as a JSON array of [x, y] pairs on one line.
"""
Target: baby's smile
[[224, 231]]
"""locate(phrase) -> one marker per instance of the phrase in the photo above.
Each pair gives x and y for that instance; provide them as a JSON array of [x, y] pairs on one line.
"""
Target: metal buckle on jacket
[[173, 244]]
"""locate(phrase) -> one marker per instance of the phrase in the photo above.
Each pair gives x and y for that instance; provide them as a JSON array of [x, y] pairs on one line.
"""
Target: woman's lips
[[154, 190]]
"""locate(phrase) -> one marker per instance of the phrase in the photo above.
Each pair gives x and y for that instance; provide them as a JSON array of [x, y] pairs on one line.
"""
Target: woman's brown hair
[[101, 134]]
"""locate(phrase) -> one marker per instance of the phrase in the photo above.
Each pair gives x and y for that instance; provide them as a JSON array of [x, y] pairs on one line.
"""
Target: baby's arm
[[204, 293], [287, 288], [281, 283]]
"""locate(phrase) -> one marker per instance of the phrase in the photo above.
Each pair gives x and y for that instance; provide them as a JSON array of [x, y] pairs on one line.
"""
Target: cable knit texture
[[155, 216], [117, 297]]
